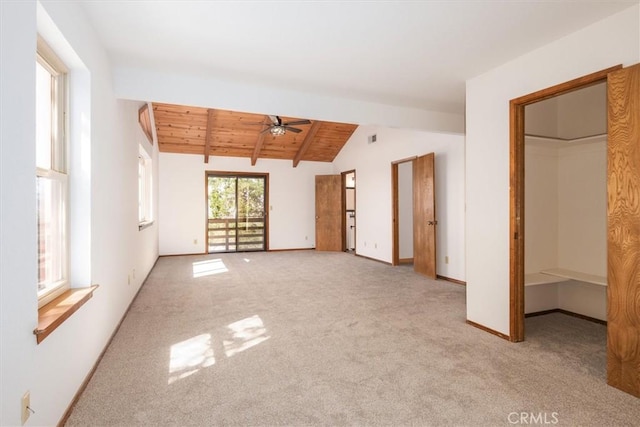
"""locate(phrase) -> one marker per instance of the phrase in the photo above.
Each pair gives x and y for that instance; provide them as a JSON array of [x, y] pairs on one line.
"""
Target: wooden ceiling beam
[[259, 143], [307, 142], [207, 137]]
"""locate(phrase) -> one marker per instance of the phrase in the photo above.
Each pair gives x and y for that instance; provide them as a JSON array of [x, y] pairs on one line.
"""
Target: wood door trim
[[343, 176], [516, 190], [566, 87], [395, 257], [405, 160], [395, 209], [491, 331]]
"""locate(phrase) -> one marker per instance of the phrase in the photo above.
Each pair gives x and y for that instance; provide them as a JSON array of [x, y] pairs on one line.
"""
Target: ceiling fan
[[278, 128]]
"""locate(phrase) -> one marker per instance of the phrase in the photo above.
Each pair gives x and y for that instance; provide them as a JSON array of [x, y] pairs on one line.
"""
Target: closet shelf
[[535, 279], [576, 275]]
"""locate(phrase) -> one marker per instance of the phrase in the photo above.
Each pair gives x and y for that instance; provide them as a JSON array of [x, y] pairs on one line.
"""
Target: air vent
[[373, 138]]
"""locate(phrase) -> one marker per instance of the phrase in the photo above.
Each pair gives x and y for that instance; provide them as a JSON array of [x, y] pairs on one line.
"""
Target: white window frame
[[145, 185], [57, 172]]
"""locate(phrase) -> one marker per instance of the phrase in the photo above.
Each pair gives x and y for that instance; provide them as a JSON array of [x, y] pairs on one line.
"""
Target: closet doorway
[[565, 257], [622, 231]]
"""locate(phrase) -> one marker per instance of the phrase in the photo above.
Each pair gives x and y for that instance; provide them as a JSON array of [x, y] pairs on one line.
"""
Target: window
[[144, 189], [51, 175]]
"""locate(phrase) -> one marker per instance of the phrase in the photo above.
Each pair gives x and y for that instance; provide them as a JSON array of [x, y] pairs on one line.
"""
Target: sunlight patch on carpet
[[244, 334], [188, 357], [209, 267]]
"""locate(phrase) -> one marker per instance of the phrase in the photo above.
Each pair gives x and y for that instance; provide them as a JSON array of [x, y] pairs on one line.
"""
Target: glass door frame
[[267, 207]]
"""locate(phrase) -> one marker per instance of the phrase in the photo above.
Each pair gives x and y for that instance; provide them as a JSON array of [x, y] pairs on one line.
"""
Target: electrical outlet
[[446, 260], [25, 404], [375, 246], [365, 243], [306, 237], [195, 241], [133, 272], [128, 279]]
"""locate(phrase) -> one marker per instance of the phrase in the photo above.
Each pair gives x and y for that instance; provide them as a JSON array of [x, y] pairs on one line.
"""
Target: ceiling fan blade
[[296, 130], [265, 130], [276, 120], [298, 122]]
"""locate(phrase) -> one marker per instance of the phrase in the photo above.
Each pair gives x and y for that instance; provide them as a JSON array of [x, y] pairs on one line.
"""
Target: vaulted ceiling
[[213, 132]]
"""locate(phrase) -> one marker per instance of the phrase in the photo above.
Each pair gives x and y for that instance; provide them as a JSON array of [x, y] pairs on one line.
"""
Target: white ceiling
[[404, 53]]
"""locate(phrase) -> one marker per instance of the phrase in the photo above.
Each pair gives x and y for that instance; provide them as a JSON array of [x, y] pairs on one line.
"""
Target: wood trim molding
[[291, 250], [516, 190], [405, 160], [516, 222], [307, 142], [405, 261], [491, 331], [568, 313], [566, 87], [395, 212], [449, 279], [343, 191]]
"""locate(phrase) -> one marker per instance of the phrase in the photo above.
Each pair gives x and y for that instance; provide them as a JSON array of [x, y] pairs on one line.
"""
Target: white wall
[[565, 223], [183, 206], [107, 138], [405, 210], [582, 208], [566, 206], [583, 112], [611, 41], [372, 163], [541, 207], [573, 115]]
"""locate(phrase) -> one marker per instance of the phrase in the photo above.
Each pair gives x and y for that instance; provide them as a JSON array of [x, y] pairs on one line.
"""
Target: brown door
[[329, 213], [623, 230], [424, 216]]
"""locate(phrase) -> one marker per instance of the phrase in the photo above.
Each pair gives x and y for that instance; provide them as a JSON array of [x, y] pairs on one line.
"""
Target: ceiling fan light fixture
[[277, 130]]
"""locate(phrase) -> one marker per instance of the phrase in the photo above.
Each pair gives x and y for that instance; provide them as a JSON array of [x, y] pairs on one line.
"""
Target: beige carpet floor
[[306, 339]]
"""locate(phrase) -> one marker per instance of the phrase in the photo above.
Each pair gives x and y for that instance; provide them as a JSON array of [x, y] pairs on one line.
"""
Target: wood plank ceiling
[[196, 130]]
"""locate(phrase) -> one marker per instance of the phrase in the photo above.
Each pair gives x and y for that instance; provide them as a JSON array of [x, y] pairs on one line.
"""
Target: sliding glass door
[[237, 220]]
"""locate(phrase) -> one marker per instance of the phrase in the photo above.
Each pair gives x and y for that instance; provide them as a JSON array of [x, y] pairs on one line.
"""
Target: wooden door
[[623, 230], [424, 216], [329, 213]]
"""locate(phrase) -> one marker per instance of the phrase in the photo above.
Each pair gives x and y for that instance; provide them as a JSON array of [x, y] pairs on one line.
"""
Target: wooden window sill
[[51, 315]]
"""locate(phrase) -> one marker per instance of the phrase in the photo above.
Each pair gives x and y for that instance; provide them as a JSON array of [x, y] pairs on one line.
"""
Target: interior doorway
[[236, 212], [349, 212], [414, 213]]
